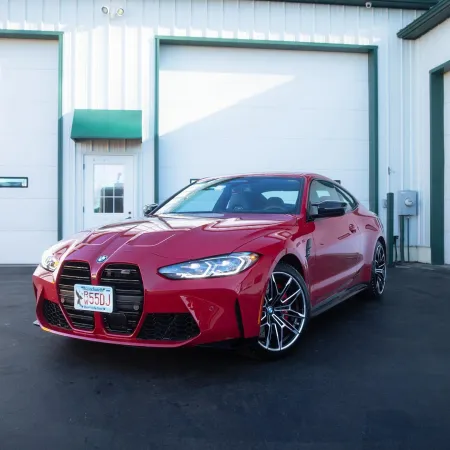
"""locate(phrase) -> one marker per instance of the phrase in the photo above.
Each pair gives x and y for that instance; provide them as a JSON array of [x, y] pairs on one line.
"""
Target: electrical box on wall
[[407, 203]]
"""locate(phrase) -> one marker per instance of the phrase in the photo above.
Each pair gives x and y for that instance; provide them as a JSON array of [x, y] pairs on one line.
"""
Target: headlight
[[218, 266], [49, 261]]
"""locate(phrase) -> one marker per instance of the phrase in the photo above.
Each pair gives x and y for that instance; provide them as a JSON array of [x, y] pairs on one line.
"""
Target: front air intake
[[169, 327]]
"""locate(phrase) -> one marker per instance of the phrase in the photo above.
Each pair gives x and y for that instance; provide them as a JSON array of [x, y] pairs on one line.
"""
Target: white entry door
[[109, 192]]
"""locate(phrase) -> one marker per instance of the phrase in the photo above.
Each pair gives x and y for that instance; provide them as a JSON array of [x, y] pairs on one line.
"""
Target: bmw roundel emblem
[[102, 258]]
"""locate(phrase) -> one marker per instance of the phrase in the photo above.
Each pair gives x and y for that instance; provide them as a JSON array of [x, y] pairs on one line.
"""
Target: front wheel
[[284, 314]]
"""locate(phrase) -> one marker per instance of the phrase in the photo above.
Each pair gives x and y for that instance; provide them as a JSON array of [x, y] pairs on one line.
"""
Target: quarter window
[[347, 198]]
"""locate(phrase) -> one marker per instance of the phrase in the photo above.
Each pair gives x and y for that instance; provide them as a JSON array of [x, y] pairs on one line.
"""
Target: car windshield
[[253, 194]]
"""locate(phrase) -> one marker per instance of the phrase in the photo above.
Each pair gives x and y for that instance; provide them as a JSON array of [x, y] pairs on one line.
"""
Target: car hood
[[177, 238]]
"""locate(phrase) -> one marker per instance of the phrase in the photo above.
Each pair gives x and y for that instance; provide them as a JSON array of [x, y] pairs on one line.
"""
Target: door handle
[[352, 228]]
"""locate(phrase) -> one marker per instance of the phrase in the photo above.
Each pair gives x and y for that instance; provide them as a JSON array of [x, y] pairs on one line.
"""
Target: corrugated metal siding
[[432, 50], [108, 63]]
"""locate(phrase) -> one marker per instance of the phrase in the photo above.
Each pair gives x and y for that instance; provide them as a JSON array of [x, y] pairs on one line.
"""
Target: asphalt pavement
[[369, 375]]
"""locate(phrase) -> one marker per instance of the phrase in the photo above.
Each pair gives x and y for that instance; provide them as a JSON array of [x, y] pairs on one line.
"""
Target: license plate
[[93, 298]]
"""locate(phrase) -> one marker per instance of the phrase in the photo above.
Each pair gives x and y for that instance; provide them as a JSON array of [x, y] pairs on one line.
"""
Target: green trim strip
[[437, 163], [60, 138], [427, 21], [156, 125], [106, 124], [390, 228], [56, 36], [262, 44], [371, 50], [373, 130]]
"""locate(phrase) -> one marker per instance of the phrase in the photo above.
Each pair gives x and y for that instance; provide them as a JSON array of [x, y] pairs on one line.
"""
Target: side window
[[321, 191], [347, 198]]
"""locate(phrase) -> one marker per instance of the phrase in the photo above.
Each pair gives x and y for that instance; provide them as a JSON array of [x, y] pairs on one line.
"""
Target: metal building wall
[[431, 50], [109, 63]]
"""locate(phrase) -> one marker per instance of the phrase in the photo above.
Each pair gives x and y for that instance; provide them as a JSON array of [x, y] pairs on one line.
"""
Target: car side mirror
[[328, 208], [148, 209]]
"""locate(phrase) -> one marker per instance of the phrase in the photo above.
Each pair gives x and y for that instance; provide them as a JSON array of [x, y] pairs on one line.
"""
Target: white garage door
[[225, 111], [447, 167], [28, 148]]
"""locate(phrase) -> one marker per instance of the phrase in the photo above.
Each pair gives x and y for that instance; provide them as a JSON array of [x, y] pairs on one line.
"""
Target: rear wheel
[[378, 277], [285, 313]]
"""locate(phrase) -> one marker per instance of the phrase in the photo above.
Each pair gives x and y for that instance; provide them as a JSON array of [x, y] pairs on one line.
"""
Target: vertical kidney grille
[[126, 281], [74, 272]]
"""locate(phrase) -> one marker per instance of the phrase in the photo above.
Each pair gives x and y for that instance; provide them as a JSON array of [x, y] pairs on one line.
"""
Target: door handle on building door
[[352, 228]]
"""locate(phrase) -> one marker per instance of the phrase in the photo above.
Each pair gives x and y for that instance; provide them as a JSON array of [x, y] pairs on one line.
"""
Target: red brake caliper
[[285, 316]]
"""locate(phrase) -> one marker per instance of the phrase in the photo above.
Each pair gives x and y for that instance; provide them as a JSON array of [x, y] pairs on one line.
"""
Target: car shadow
[[320, 338]]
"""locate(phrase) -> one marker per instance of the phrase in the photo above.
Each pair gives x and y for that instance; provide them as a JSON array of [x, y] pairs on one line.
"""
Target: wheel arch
[[294, 261]]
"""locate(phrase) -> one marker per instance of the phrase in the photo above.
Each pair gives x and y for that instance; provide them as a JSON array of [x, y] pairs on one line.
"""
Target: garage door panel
[[25, 247], [28, 147], [27, 84], [32, 54], [34, 217], [29, 117], [261, 89], [229, 111], [287, 154], [260, 61], [22, 147], [270, 122], [287, 95], [447, 115], [42, 182]]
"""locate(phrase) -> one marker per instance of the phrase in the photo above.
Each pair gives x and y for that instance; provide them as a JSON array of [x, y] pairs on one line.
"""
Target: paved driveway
[[368, 376]]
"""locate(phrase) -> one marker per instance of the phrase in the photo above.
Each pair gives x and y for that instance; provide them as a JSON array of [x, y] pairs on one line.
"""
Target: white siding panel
[[110, 63], [28, 147]]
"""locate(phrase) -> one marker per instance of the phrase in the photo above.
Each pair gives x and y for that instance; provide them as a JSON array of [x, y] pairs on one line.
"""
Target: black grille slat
[[73, 273], [128, 290], [169, 327], [54, 316]]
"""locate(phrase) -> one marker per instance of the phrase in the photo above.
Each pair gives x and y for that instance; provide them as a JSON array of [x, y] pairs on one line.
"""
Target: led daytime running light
[[218, 266]]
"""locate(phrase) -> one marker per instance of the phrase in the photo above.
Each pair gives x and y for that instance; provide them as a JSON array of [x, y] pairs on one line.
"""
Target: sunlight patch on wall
[[181, 88]]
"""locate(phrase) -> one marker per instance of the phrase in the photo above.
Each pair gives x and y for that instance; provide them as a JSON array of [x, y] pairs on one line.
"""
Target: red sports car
[[245, 259]]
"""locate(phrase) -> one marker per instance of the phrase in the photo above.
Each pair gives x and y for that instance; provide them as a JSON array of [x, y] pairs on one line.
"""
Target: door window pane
[[351, 202], [109, 188], [322, 191]]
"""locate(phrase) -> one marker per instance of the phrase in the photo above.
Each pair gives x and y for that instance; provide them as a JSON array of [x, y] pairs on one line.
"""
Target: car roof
[[268, 174]]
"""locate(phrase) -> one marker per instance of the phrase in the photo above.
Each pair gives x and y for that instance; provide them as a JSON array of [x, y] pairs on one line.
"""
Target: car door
[[336, 246], [356, 257]]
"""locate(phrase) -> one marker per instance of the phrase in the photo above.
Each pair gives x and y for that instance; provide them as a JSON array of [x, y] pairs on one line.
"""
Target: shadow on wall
[[239, 112]]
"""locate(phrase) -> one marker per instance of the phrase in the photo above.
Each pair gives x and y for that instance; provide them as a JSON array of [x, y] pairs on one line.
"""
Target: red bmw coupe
[[245, 259]]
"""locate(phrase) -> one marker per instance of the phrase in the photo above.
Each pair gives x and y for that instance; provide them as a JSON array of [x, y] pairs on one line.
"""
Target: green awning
[[106, 124]]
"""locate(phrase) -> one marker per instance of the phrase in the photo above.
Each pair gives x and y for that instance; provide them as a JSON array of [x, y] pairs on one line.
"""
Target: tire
[[282, 323], [377, 282]]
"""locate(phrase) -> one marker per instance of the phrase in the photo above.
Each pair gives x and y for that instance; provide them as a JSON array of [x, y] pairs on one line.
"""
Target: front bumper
[[169, 313]]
